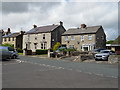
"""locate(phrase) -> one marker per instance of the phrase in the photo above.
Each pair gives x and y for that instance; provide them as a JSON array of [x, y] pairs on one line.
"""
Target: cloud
[[25, 14]]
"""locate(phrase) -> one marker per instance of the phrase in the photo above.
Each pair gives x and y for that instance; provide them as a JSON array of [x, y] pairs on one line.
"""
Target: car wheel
[[14, 57], [96, 59]]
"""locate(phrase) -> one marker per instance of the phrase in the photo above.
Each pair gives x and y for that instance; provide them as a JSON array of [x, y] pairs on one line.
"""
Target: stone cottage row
[[45, 37]]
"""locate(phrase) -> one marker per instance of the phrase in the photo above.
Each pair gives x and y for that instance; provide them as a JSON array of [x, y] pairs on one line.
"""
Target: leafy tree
[[8, 45], [56, 46], [117, 40], [110, 42]]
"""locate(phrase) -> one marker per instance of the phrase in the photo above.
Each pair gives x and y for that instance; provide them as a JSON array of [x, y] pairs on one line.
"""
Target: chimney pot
[[8, 29], [34, 26], [83, 26], [61, 23]]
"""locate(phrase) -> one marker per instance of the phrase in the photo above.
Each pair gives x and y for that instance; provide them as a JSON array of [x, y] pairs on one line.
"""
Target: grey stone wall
[[56, 35], [100, 39]]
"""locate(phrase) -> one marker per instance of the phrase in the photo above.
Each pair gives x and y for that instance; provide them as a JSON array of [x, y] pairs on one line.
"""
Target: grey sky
[[17, 15]]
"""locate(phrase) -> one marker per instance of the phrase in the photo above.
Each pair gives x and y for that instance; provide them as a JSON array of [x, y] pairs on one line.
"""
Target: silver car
[[8, 53], [104, 54], [5, 53]]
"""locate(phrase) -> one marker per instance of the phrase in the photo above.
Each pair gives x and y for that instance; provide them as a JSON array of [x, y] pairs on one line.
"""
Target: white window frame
[[89, 37], [43, 45]]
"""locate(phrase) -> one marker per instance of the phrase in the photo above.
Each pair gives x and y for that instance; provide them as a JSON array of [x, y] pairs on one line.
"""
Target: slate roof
[[87, 30], [42, 29], [12, 35]]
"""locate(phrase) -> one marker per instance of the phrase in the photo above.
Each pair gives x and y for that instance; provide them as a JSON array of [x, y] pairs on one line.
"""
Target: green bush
[[41, 51], [56, 46], [19, 50], [8, 45]]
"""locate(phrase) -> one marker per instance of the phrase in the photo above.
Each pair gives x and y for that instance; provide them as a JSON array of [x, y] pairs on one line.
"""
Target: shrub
[[19, 50], [70, 49], [56, 46], [41, 51], [8, 45]]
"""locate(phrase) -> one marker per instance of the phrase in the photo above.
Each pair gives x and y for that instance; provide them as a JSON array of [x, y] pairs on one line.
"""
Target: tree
[[8, 45], [110, 42], [56, 46]]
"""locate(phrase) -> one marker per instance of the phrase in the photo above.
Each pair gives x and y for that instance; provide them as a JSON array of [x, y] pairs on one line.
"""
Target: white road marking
[[55, 67]]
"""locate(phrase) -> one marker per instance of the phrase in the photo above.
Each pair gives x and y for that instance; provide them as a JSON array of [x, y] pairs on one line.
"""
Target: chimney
[[22, 32], [61, 23], [34, 26], [8, 30], [83, 26]]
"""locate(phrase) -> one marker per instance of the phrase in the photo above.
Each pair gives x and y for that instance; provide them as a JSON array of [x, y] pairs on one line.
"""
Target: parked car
[[5, 53], [95, 51], [104, 54], [8, 52], [14, 53]]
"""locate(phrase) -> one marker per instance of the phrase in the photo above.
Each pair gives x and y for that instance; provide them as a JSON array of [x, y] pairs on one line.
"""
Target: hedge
[[41, 51], [19, 50]]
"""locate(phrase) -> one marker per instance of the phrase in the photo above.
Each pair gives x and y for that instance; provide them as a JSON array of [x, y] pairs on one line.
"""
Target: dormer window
[[43, 36]]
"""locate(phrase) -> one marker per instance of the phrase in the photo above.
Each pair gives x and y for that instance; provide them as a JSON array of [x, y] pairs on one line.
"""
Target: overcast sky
[[22, 15]]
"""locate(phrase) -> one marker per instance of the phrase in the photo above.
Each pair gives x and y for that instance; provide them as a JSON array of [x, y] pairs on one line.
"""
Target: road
[[33, 72]]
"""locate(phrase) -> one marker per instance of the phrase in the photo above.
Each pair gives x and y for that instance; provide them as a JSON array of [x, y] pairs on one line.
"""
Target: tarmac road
[[32, 72]]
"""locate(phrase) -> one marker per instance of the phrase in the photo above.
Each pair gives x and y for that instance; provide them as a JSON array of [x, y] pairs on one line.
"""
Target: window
[[5, 39], [71, 46], [9, 39], [43, 45], [82, 38], [35, 45], [89, 37], [66, 38], [43, 36], [13, 39], [72, 38]]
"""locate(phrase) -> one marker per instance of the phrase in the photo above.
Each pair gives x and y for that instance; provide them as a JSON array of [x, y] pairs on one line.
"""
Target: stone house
[[84, 38], [14, 38], [44, 37]]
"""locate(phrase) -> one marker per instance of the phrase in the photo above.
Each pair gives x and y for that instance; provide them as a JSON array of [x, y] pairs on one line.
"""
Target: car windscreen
[[10, 49], [104, 51]]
